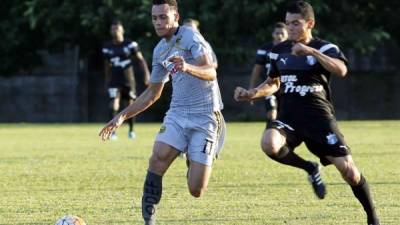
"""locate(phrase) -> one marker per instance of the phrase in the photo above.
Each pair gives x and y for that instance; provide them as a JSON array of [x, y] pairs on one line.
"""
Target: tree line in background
[[234, 28]]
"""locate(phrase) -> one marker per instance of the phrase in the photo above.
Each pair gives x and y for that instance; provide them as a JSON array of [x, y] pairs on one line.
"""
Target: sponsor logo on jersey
[[117, 62], [290, 87], [331, 139], [289, 78], [311, 60], [162, 129], [126, 51]]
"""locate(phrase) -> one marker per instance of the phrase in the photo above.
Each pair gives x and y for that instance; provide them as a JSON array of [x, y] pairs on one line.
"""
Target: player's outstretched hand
[[110, 127], [242, 94]]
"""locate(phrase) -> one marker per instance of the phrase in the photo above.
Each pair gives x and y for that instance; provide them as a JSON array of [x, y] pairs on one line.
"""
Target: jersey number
[[208, 147]]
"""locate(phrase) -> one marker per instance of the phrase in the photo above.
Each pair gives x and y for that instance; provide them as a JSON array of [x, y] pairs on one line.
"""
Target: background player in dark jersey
[[118, 69], [301, 70], [262, 65]]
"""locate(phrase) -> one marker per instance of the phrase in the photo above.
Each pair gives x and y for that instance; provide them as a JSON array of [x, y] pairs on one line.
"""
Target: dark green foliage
[[235, 28]]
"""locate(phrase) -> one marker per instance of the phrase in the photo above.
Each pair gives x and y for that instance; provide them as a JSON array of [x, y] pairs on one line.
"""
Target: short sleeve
[[333, 51], [158, 73], [134, 47], [106, 52], [198, 46], [261, 57], [273, 71]]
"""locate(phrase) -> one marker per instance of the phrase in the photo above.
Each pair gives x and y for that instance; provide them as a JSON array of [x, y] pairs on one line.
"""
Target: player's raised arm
[[203, 69], [333, 65], [268, 87], [146, 99]]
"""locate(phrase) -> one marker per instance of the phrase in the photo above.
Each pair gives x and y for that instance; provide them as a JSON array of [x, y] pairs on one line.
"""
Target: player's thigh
[[129, 73], [172, 132], [162, 157], [206, 136], [327, 142]]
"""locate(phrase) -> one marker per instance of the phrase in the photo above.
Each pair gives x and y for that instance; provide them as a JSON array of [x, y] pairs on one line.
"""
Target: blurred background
[[51, 66]]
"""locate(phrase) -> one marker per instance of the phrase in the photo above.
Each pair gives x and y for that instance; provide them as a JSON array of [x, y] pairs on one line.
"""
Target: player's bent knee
[[270, 147], [197, 192], [156, 164], [352, 176]]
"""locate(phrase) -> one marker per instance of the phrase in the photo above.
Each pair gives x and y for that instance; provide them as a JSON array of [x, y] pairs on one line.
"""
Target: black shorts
[[323, 138], [271, 103], [123, 92]]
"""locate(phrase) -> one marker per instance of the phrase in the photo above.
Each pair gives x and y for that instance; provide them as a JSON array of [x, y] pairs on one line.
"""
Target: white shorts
[[200, 136]]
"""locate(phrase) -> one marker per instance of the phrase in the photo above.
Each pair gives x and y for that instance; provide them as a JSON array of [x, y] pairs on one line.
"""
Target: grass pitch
[[47, 171]]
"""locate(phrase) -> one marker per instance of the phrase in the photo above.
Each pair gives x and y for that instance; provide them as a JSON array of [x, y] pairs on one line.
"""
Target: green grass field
[[47, 171]]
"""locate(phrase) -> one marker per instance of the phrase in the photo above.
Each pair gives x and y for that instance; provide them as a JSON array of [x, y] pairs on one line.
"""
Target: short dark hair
[[303, 8], [280, 25], [116, 22], [172, 3]]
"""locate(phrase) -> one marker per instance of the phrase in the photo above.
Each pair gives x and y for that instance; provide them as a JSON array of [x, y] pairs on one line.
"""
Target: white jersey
[[190, 94]]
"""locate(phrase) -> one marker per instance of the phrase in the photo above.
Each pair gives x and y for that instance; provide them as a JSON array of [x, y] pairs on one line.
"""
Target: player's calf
[[345, 165], [359, 185], [152, 191], [162, 157]]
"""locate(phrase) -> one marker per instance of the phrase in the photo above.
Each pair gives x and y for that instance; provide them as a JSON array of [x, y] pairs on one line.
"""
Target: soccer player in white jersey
[[193, 124]]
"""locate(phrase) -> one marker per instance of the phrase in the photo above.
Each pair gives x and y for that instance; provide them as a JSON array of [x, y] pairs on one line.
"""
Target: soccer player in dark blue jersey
[[120, 80], [262, 65], [301, 69]]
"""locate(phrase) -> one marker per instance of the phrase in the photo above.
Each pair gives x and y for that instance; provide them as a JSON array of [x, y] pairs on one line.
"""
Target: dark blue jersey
[[120, 57], [305, 93]]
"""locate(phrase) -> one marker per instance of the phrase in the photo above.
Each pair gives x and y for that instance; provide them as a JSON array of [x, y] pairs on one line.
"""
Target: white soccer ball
[[70, 220]]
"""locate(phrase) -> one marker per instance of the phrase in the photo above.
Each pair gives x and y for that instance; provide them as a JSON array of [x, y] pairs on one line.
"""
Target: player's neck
[[172, 32], [306, 39], [117, 40]]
